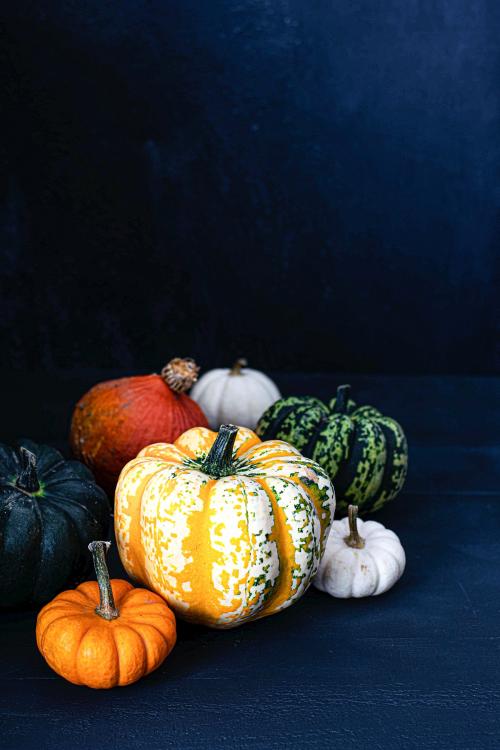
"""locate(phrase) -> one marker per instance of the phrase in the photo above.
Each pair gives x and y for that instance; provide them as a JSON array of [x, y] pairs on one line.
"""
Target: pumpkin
[[105, 634], [225, 527], [49, 511], [115, 419], [364, 452], [364, 560], [237, 396]]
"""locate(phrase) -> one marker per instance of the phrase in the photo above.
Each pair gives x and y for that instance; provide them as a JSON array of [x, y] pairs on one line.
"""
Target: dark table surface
[[417, 667]]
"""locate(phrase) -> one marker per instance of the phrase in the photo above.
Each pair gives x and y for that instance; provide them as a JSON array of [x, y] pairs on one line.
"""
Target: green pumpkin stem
[[236, 368], [342, 399], [354, 539], [106, 608], [28, 477], [219, 461]]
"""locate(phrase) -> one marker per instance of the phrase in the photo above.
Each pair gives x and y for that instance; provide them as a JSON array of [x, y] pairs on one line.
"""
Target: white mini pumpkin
[[238, 395], [362, 558]]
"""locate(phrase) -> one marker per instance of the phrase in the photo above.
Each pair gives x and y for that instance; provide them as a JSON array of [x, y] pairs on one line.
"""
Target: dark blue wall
[[312, 184]]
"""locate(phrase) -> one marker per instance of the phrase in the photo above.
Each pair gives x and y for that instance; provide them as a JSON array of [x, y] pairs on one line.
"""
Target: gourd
[[362, 558], [237, 396], [50, 509], [225, 527], [105, 634], [364, 453], [115, 419]]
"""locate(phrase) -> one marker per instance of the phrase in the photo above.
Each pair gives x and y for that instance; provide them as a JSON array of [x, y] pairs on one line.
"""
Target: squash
[[49, 511], [364, 560], [226, 528], [105, 634], [364, 452], [237, 396], [115, 419]]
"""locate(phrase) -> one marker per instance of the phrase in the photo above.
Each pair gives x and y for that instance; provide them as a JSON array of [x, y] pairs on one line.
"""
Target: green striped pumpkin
[[364, 452]]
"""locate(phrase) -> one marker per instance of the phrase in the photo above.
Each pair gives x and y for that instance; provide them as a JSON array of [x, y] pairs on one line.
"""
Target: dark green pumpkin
[[50, 509], [364, 452]]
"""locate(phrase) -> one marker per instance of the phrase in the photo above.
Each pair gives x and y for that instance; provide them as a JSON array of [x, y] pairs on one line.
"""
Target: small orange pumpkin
[[114, 420], [107, 633]]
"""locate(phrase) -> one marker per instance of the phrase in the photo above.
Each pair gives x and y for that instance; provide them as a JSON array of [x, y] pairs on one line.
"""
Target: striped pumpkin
[[364, 453], [224, 527]]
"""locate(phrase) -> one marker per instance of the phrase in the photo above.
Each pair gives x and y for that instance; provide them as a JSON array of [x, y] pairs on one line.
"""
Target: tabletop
[[416, 667]]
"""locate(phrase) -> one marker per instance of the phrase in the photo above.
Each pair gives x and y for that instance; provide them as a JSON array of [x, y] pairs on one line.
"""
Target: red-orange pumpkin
[[116, 419]]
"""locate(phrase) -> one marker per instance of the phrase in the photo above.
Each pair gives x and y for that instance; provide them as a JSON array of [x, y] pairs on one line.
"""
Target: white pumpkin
[[238, 395], [362, 558]]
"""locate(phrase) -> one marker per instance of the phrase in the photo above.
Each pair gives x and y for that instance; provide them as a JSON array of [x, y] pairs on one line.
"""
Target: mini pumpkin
[[364, 452], [238, 395], [115, 419], [105, 634], [226, 528], [50, 509], [362, 558]]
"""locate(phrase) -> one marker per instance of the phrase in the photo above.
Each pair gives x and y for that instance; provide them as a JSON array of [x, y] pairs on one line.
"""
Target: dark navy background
[[314, 185]]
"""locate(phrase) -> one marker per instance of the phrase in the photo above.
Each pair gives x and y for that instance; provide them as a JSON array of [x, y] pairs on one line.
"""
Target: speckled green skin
[[364, 452]]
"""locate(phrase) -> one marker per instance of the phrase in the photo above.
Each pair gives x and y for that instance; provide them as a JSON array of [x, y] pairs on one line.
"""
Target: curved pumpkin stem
[[106, 608], [354, 539], [219, 461], [341, 399], [28, 477], [236, 368]]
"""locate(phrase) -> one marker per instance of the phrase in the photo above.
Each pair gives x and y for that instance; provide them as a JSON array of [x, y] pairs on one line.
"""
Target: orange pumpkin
[[107, 633], [116, 419]]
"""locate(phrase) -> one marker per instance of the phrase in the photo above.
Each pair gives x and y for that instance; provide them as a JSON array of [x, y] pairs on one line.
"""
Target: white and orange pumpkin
[[225, 527]]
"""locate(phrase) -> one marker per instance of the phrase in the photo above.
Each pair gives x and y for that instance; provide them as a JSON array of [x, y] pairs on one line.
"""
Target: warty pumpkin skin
[[225, 527], [115, 419], [105, 634], [50, 509], [364, 452]]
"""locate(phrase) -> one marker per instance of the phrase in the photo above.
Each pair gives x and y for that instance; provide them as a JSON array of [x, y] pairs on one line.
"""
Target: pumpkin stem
[[354, 539], [236, 368], [341, 399], [106, 608], [219, 461], [180, 374], [28, 477]]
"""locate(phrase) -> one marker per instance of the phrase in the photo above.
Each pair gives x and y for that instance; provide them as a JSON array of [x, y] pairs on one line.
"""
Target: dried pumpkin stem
[[354, 539], [342, 399], [28, 477], [180, 374], [236, 368], [106, 608], [219, 461]]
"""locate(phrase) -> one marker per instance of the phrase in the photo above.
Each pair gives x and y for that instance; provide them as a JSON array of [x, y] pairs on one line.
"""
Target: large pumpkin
[[364, 453], [226, 528], [50, 509], [115, 419]]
